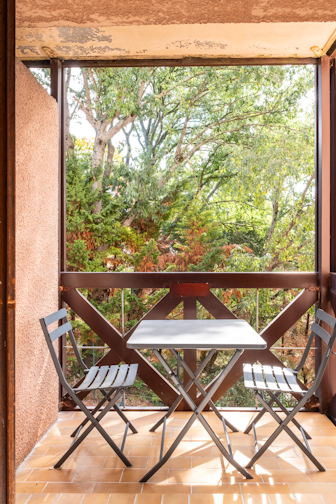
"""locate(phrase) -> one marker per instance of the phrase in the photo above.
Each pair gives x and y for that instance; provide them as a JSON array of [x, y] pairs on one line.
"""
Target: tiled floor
[[196, 474]]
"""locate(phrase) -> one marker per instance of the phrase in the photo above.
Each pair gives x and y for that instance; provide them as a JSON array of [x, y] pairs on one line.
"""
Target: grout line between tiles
[[322, 498], [44, 487], [296, 500], [28, 474], [28, 498], [121, 475]]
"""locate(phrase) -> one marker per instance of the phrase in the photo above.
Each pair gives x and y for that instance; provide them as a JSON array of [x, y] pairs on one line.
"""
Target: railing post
[[190, 356]]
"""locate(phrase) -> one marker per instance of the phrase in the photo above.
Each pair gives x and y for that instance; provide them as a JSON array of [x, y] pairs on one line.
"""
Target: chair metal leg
[[95, 423], [257, 418], [106, 397], [93, 412], [284, 409], [283, 425], [121, 414]]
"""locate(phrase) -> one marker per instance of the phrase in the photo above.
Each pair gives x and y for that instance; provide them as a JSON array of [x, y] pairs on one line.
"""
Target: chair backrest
[[317, 331], [51, 337]]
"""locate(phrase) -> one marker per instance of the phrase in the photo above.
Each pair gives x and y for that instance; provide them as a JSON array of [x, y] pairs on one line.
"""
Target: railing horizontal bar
[[251, 280], [93, 347], [291, 348], [108, 348]]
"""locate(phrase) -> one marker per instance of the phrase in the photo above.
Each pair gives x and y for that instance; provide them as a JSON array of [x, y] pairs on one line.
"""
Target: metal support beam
[[323, 259], [7, 250], [57, 90], [332, 383]]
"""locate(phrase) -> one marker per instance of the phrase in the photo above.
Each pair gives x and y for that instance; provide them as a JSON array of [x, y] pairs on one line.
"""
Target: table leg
[[203, 392], [179, 399], [197, 410]]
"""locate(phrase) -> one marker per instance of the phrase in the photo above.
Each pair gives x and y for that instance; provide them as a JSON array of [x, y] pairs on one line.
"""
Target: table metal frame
[[197, 410]]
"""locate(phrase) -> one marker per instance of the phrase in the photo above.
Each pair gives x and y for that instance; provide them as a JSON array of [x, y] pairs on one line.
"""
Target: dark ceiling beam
[[174, 62]]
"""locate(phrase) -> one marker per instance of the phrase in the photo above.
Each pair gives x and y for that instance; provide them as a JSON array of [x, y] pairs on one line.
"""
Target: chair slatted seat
[[276, 381], [111, 381]]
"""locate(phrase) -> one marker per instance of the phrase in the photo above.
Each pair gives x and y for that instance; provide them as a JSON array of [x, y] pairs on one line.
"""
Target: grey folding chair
[[111, 381], [275, 381]]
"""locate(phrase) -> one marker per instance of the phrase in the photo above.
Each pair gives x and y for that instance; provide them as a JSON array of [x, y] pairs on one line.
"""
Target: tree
[[210, 169]]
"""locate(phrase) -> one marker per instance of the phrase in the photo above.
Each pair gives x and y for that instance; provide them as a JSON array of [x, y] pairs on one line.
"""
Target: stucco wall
[[138, 12], [36, 257]]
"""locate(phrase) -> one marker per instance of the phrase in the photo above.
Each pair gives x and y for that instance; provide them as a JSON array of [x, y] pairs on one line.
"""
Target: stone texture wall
[[36, 257]]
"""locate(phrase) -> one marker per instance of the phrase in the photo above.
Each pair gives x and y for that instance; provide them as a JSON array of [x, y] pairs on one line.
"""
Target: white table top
[[196, 334]]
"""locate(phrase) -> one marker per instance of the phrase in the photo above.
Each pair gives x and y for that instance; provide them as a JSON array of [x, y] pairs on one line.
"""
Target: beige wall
[[36, 257]]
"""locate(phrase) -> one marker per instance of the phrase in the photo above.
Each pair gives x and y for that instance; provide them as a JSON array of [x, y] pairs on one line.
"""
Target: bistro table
[[209, 335]]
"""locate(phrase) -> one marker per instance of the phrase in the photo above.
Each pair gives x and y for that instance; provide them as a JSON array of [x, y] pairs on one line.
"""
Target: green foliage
[[215, 172]]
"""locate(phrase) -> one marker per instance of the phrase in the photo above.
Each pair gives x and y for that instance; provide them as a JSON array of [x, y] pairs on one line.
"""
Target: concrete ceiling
[[110, 29]]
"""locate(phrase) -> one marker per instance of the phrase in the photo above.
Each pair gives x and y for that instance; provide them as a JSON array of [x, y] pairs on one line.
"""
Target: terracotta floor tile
[[59, 450], [21, 498], [328, 462], [143, 451], [137, 440], [313, 488], [175, 499], [116, 463], [69, 487], [328, 498], [302, 463], [148, 499], [323, 441], [265, 488], [30, 488], [99, 499], [310, 499], [317, 476], [225, 488], [149, 488], [135, 475], [63, 498], [215, 499], [64, 475], [172, 463], [319, 451], [55, 441], [104, 451], [285, 476], [209, 462], [210, 476], [22, 474], [39, 450], [282, 499], [118, 488], [120, 499], [43, 498], [281, 451], [265, 463], [97, 475]]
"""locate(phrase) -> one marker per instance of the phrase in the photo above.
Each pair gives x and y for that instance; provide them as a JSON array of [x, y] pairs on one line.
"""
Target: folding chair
[[277, 380], [111, 381]]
